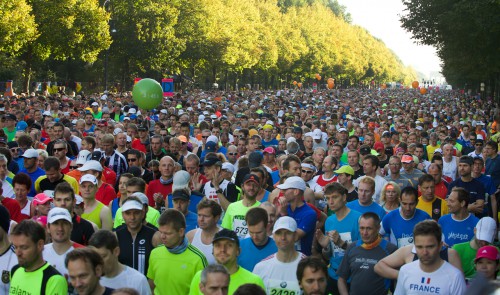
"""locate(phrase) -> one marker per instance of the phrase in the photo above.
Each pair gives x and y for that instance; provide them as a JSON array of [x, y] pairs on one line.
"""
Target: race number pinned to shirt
[[240, 226], [279, 287]]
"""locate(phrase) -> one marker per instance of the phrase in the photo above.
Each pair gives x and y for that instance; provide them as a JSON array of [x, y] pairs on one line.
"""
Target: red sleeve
[[76, 245], [150, 192], [14, 209]]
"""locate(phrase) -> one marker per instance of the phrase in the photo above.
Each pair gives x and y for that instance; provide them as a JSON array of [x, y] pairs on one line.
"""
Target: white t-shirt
[[56, 260], [279, 277], [447, 280], [7, 260], [128, 278]]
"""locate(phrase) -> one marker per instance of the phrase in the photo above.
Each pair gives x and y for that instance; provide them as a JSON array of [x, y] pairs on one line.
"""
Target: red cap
[[378, 146], [269, 150], [488, 252], [40, 199], [407, 159]]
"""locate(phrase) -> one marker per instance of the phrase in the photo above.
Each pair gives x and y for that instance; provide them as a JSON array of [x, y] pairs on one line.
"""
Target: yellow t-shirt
[[429, 207]]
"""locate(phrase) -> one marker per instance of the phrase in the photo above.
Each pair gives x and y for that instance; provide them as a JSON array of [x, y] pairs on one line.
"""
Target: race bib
[[345, 237], [240, 226], [405, 241], [279, 287]]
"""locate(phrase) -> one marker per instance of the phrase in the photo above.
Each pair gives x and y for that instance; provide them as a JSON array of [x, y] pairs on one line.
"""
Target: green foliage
[[466, 34], [209, 40], [17, 25]]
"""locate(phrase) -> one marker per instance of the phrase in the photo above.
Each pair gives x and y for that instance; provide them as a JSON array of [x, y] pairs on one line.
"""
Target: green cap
[[345, 169]]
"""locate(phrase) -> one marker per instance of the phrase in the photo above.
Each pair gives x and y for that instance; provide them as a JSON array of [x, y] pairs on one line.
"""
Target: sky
[[381, 19]]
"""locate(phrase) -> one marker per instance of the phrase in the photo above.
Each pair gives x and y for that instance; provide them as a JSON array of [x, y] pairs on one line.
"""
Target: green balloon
[[147, 94]]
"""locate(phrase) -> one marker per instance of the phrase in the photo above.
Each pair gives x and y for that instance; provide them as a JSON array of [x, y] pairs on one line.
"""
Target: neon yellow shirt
[[173, 273], [240, 277], [23, 282]]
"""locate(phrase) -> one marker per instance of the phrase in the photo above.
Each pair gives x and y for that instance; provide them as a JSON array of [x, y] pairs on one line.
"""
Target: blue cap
[[21, 126]]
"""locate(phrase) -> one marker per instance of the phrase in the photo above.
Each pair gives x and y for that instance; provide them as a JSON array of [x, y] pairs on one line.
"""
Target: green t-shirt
[[173, 273], [23, 282], [240, 277], [151, 217], [467, 255], [234, 218], [98, 115], [10, 134]]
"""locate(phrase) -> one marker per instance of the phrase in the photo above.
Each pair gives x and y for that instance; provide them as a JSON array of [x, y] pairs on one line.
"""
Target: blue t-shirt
[[488, 184], [254, 254], [374, 207], [493, 169], [457, 231], [474, 187], [34, 176], [400, 230], [348, 229], [306, 220], [191, 221], [272, 142]]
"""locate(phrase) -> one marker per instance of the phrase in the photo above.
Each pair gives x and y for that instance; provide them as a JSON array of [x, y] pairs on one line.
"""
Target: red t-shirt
[[14, 209], [105, 194], [441, 190], [136, 144], [154, 187], [109, 175]]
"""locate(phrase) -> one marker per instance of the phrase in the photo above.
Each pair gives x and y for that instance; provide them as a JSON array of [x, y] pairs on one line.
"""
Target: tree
[[66, 29], [465, 33], [17, 25]]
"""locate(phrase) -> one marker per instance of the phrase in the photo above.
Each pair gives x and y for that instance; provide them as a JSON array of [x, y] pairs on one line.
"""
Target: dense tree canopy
[[242, 41], [465, 33]]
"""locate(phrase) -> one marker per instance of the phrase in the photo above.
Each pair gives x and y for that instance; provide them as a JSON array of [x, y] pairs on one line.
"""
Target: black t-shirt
[[108, 291], [352, 195], [384, 162], [82, 230], [358, 173]]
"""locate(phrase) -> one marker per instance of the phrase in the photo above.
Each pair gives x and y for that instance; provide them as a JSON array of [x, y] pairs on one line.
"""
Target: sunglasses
[[73, 167], [307, 171], [204, 137], [232, 154], [131, 160], [479, 144], [59, 149]]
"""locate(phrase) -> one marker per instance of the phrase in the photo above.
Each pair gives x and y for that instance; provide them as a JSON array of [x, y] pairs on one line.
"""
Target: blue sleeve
[[308, 222], [385, 225]]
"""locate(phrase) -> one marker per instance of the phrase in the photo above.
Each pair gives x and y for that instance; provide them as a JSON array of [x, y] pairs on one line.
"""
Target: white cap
[[58, 213], [180, 112], [91, 165], [486, 229], [132, 111], [46, 113], [95, 104], [213, 138], [180, 180], [419, 128], [117, 131], [89, 178], [228, 166], [126, 119], [214, 117], [285, 222], [132, 205], [293, 182], [104, 97], [83, 157], [144, 199], [30, 153], [342, 129], [291, 139], [129, 139], [78, 199], [480, 123], [317, 134], [164, 111]]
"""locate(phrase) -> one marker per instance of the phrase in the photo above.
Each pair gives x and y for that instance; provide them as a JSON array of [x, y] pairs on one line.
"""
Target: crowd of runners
[[283, 192]]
